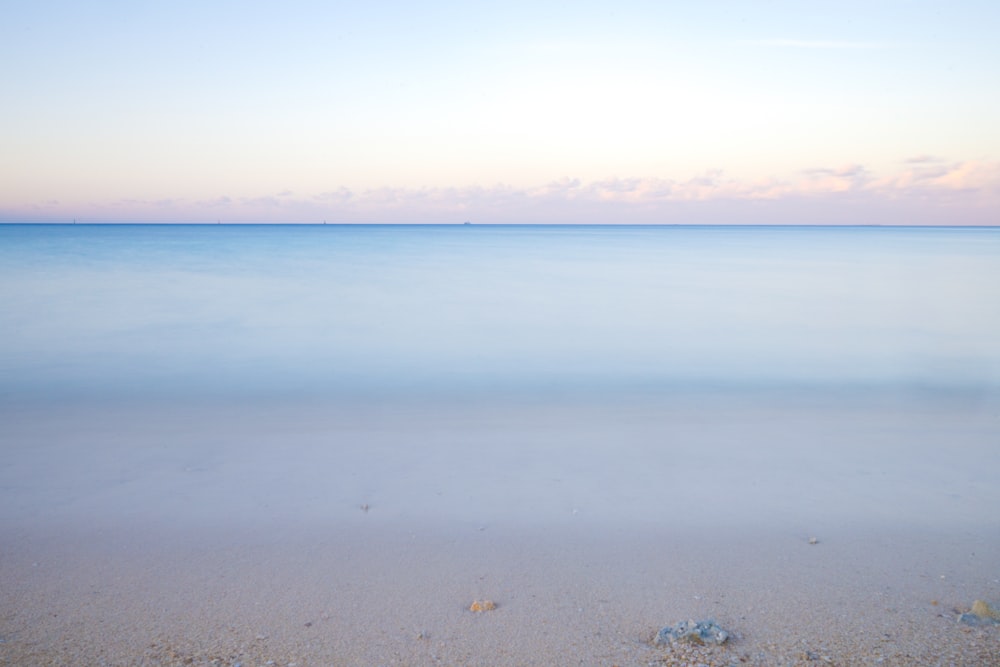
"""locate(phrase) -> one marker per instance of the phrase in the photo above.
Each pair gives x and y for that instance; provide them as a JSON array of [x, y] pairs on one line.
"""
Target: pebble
[[980, 614], [693, 632], [980, 608]]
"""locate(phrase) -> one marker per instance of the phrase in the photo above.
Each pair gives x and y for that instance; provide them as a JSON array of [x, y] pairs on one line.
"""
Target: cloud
[[850, 177], [340, 195], [847, 171], [924, 190], [970, 177], [165, 203], [814, 44], [216, 202], [815, 184]]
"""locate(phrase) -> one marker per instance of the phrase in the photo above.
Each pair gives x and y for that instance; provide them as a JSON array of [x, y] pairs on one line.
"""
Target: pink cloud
[[925, 190], [971, 177]]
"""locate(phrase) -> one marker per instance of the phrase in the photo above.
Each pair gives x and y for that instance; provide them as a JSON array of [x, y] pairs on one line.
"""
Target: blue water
[[154, 311]]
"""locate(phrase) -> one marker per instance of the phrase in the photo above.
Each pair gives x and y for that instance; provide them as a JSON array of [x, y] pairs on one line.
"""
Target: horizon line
[[219, 223]]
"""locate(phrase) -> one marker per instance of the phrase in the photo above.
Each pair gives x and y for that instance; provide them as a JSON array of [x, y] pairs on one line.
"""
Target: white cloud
[[815, 44]]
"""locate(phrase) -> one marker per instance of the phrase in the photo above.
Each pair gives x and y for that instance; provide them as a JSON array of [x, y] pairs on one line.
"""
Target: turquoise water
[[107, 311]]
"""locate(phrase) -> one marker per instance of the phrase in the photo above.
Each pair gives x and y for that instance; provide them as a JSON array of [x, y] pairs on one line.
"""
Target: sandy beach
[[292, 535]]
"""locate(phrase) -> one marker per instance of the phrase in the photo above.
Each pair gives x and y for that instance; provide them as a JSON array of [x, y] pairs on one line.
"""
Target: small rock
[[813, 540], [980, 614], [482, 605], [692, 632], [980, 608], [814, 656]]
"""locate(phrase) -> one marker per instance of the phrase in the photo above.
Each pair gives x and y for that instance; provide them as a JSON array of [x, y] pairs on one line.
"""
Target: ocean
[[223, 311]]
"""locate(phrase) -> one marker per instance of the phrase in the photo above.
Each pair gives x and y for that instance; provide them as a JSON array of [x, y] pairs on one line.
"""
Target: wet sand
[[155, 536]]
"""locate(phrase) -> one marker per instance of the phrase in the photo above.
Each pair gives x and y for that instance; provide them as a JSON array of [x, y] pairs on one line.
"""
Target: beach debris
[[813, 540], [980, 608], [482, 605], [982, 613], [365, 507], [813, 656], [692, 632]]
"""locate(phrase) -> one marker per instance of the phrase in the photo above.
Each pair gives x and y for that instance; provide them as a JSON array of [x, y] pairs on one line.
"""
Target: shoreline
[[224, 535]]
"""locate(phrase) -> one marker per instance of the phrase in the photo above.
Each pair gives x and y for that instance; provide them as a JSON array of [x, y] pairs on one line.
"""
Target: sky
[[849, 112]]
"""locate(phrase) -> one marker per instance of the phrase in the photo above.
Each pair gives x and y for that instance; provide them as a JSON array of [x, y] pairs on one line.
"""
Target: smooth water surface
[[611, 375], [114, 310]]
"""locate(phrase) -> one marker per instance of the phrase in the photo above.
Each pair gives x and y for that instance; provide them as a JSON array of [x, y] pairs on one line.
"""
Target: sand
[[152, 535]]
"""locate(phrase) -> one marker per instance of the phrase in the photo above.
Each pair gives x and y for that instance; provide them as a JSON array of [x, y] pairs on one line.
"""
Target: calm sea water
[[107, 311], [184, 375]]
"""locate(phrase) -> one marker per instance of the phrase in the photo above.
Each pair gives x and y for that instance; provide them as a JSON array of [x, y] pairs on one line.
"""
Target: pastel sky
[[856, 111]]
